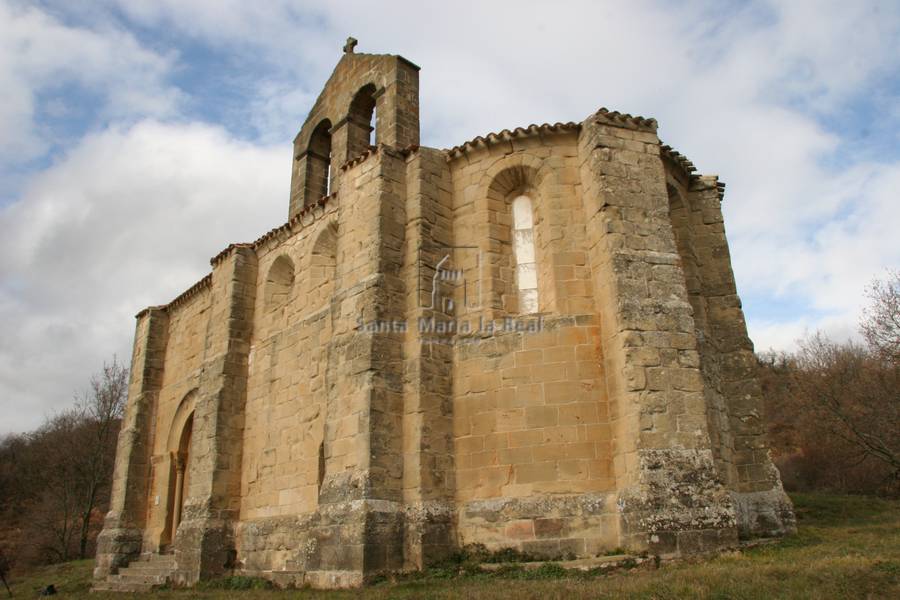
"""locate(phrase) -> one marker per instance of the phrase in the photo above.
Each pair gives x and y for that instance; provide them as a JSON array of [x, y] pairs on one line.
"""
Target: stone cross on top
[[350, 45]]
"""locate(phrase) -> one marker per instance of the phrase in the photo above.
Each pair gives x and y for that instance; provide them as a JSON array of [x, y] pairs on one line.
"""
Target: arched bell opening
[[318, 164], [361, 120]]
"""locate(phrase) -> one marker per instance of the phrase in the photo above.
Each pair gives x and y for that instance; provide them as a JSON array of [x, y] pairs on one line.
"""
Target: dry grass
[[847, 547]]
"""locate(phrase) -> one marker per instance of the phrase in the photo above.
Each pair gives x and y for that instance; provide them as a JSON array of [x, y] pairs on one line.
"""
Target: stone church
[[531, 340]]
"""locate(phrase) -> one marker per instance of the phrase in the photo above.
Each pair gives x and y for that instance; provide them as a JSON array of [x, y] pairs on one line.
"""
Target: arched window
[[361, 121], [279, 282], [322, 267], [523, 248], [318, 163]]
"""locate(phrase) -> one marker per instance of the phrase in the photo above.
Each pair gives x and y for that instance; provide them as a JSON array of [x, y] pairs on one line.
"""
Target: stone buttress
[[532, 340]]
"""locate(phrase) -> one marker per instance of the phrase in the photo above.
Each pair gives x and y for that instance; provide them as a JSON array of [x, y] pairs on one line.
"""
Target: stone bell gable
[[342, 124], [531, 340]]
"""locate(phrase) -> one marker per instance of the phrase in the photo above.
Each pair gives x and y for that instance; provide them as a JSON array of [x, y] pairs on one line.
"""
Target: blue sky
[[138, 138]]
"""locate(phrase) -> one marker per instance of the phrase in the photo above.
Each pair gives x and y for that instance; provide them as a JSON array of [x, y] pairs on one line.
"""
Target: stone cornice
[[687, 169], [706, 182], [408, 62], [192, 291], [614, 118], [410, 150], [370, 151], [373, 150], [149, 309], [189, 293], [679, 161], [304, 218], [506, 135], [221, 256], [307, 215]]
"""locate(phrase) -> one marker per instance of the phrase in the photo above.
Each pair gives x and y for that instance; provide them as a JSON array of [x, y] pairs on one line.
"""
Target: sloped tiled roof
[[619, 119], [506, 135], [206, 281], [678, 159]]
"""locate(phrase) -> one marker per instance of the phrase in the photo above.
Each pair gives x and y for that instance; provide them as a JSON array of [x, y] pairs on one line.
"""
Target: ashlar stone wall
[[365, 389]]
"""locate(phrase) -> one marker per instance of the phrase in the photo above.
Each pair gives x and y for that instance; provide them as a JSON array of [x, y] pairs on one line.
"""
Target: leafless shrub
[[54, 482]]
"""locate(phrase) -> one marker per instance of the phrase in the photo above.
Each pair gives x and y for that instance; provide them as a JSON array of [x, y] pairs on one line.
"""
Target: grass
[[846, 547]]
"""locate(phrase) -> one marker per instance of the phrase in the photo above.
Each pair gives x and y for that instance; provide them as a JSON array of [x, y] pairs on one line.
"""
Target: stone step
[[149, 575], [118, 586], [142, 575], [150, 568], [125, 576], [155, 559]]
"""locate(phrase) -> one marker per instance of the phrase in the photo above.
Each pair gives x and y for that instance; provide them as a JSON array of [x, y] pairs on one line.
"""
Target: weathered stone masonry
[[289, 417]]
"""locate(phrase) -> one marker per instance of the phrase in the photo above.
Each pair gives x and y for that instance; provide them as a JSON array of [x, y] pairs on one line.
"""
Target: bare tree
[[880, 324], [856, 397], [835, 407], [101, 409], [53, 518], [69, 469]]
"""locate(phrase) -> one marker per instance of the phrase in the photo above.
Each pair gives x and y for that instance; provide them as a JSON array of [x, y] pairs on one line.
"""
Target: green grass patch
[[236, 582], [71, 579], [846, 547]]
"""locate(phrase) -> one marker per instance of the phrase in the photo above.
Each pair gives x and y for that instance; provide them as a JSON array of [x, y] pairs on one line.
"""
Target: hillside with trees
[[55, 481], [834, 407]]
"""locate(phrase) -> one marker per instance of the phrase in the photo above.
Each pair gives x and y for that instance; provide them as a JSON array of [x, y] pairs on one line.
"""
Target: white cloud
[[747, 90], [786, 337], [278, 109], [129, 219], [40, 54]]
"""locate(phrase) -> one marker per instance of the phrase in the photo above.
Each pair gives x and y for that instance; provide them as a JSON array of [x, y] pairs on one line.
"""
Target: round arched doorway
[[179, 454]]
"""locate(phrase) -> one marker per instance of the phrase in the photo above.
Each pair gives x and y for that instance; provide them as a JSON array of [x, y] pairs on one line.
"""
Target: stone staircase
[[141, 575]]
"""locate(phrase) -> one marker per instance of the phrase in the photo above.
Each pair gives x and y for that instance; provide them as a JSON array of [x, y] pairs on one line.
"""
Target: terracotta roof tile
[[614, 117], [295, 222], [189, 293], [506, 135], [679, 160], [371, 150]]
